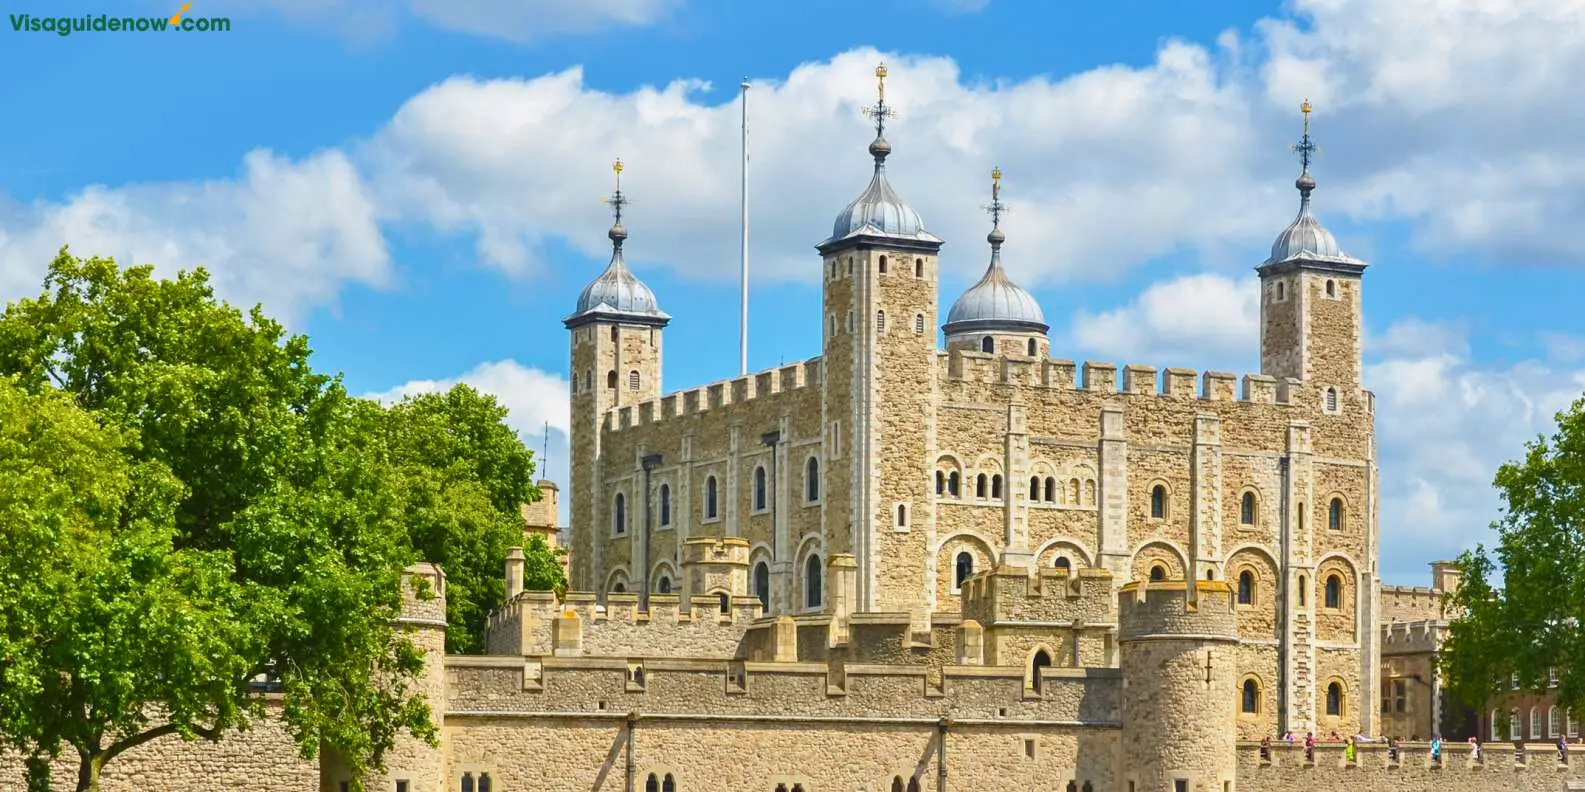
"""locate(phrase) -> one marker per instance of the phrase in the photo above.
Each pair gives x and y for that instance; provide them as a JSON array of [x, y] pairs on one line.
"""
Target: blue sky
[[415, 184]]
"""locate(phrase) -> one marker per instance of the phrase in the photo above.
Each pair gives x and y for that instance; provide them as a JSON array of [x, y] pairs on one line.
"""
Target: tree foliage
[[1528, 623], [186, 505]]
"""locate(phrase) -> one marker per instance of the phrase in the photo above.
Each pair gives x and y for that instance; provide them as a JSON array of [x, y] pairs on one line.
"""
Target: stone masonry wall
[[1412, 772]]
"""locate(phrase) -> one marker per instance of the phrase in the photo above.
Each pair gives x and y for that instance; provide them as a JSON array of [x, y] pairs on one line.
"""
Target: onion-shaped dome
[[995, 303], [1305, 239], [617, 294]]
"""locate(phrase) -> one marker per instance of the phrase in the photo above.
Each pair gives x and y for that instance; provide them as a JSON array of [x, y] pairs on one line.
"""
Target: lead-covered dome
[[995, 303], [1305, 239], [617, 294], [879, 209]]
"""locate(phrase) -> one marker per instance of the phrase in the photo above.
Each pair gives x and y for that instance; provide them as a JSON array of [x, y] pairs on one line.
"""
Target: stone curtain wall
[[1413, 772], [261, 759]]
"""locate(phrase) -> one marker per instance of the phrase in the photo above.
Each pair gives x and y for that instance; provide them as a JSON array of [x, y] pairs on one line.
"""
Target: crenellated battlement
[[1500, 766], [535, 623], [1412, 637], [965, 365], [1166, 608], [717, 395], [1410, 604], [1011, 595]]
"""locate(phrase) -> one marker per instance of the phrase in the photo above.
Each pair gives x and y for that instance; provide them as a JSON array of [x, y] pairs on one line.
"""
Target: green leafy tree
[[464, 477], [542, 567], [1532, 620], [229, 517]]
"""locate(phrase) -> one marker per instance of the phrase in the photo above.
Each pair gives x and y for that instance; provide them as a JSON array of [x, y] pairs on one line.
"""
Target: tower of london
[[905, 565]]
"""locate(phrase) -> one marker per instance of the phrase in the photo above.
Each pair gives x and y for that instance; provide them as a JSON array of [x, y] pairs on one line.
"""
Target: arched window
[[484, 783], [1515, 728], [812, 480], [919, 268], [1062, 562], [1334, 700], [710, 510], [1331, 288], [619, 514], [1032, 347], [665, 504], [1034, 488], [981, 483], [1073, 492], [1496, 727], [668, 784], [652, 784], [724, 602], [663, 586], [987, 345], [1573, 725], [1554, 722], [883, 265], [1041, 661], [759, 489], [952, 483], [1334, 591], [897, 784], [1331, 399], [941, 482], [919, 324], [1246, 509], [619, 588], [996, 486], [610, 379], [632, 380], [1051, 490], [467, 782], [913, 784], [1158, 573], [1158, 502], [1246, 588], [902, 515], [880, 321], [762, 585], [964, 569], [1334, 514], [1250, 703], [1073, 786], [1535, 722], [812, 582], [1302, 588]]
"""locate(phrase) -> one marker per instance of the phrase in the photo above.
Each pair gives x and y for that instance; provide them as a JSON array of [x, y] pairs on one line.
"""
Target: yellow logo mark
[[177, 19]]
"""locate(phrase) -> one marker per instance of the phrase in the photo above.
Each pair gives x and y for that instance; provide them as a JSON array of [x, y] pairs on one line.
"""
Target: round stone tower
[[1179, 686]]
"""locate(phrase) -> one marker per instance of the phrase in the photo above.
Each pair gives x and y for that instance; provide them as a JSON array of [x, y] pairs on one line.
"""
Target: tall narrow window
[[880, 321], [619, 514], [762, 585], [1246, 588], [964, 569], [952, 483], [709, 498], [1051, 490], [632, 380], [1535, 722], [1334, 700], [883, 265], [987, 345], [1331, 288], [812, 480], [902, 515], [1251, 699], [652, 784], [724, 602], [665, 504], [1246, 509], [1034, 488], [759, 489], [812, 584], [484, 782], [941, 482], [1032, 347], [1158, 502], [1041, 662], [1331, 399], [610, 379], [919, 324], [1281, 292], [981, 484], [1334, 514], [668, 784], [996, 486], [1334, 592], [467, 782], [919, 268], [1301, 591]]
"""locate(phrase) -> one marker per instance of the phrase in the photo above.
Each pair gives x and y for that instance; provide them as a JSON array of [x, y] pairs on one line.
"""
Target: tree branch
[[155, 733]]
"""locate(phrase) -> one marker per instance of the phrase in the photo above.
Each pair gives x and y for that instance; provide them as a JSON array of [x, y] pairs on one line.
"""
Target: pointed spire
[[879, 112], [1306, 149]]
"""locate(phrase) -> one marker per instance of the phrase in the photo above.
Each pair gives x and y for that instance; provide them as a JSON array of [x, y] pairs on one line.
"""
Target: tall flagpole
[[743, 318]]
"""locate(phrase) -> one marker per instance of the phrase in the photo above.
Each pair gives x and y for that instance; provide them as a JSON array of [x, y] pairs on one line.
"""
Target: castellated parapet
[[1100, 377], [717, 395], [1179, 647]]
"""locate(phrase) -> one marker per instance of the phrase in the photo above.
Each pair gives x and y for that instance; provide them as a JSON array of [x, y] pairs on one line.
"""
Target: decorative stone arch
[[1324, 711], [759, 553], [1034, 488], [1165, 488], [1031, 673], [618, 574], [1082, 487], [812, 545], [664, 567], [1258, 560], [1155, 553], [1339, 520], [1253, 513], [1336, 623], [659, 779], [1063, 547], [948, 465], [1262, 699], [945, 560]]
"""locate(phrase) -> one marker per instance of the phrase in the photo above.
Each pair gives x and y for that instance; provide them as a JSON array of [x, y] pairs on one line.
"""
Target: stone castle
[[896, 567]]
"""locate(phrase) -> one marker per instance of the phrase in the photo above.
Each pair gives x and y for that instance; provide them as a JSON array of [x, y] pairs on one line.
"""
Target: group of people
[[1350, 752]]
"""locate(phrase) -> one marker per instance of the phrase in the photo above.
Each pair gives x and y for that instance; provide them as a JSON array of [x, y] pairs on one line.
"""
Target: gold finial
[[996, 207], [1305, 107], [996, 174], [880, 81], [616, 167]]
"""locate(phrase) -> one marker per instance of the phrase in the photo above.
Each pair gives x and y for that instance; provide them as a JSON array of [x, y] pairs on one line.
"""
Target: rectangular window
[[1180, 785], [1551, 677], [836, 439], [401, 786]]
